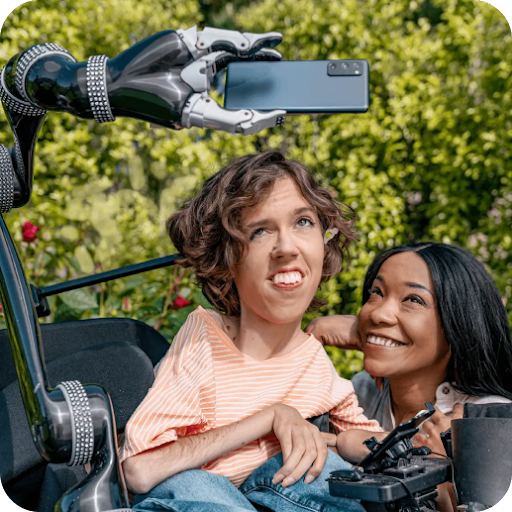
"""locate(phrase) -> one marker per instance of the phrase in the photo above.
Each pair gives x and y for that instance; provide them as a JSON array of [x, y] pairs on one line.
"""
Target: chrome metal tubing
[[47, 411], [104, 487]]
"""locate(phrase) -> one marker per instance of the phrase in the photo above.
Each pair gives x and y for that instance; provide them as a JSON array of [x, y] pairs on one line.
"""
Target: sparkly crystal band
[[19, 158], [81, 422], [30, 57], [6, 180], [15, 104], [96, 77]]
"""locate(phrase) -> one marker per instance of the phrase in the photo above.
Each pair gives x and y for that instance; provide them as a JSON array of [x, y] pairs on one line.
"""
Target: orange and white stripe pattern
[[205, 382]]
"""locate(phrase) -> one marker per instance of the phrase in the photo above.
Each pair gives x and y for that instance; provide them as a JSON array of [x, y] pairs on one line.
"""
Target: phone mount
[[394, 475]]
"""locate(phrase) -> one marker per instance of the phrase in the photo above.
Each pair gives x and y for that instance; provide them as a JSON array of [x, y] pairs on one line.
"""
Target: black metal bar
[[25, 338], [108, 276], [49, 417]]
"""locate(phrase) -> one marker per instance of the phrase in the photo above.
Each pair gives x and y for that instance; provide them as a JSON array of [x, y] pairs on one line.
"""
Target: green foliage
[[429, 161], [102, 194]]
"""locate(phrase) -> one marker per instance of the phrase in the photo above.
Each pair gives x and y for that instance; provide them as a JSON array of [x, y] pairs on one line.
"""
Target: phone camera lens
[[344, 65], [357, 65], [332, 65]]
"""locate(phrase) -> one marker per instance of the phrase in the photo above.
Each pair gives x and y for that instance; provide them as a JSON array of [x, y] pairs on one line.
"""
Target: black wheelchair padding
[[62, 339], [118, 354]]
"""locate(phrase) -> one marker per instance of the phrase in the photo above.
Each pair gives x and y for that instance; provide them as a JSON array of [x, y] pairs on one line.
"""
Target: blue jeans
[[198, 491]]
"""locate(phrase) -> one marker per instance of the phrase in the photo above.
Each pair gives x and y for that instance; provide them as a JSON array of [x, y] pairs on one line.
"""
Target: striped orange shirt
[[205, 382]]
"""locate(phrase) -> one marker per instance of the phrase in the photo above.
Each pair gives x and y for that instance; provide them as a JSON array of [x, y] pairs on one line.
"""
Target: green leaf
[[79, 300], [133, 283], [202, 300], [84, 259], [74, 263], [66, 313]]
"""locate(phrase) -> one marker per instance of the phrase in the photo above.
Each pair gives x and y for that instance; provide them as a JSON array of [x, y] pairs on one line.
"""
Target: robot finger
[[241, 44], [200, 73], [201, 111], [215, 39], [266, 54]]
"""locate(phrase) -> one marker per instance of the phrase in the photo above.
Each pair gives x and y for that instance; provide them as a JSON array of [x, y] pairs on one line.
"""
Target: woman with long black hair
[[433, 328]]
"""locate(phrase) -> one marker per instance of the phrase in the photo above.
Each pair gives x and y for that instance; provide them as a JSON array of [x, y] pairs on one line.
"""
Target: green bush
[[429, 161]]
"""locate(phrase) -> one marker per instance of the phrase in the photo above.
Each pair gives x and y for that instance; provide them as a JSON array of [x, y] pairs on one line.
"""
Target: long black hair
[[472, 315]]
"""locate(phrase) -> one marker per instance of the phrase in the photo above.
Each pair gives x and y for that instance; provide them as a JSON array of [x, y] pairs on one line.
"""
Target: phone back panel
[[299, 87]]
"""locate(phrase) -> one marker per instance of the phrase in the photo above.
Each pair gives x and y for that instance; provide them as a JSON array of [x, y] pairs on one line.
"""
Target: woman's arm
[[336, 331], [147, 469], [350, 444], [302, 444]]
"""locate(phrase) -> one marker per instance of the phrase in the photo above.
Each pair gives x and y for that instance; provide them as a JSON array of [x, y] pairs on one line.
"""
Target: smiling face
[[400, 327], [282, 267]]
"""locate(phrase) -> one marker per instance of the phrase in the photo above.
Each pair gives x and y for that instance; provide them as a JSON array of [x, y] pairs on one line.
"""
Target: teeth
[[383, 342], [287, 278]]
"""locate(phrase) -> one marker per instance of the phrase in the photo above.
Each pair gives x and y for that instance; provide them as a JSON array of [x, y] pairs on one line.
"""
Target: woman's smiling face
[[282, 267], [400, 327]]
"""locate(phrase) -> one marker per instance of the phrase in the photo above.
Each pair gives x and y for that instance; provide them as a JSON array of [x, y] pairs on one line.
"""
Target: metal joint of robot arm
[[27, 59], [213, 49]]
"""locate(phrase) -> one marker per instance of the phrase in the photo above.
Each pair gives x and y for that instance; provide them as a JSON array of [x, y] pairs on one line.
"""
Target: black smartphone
[[299, 86]]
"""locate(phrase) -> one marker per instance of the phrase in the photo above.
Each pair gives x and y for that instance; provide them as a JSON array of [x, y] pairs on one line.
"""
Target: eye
[[375, 291], [415, 300], [304, 222], [257, 232]]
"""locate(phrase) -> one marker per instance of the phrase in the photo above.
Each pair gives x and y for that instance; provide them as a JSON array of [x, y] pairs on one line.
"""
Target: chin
[[284, 314], [376, 368]]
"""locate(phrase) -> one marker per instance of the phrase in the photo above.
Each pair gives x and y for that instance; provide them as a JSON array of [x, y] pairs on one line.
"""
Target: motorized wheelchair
[[51, 424]]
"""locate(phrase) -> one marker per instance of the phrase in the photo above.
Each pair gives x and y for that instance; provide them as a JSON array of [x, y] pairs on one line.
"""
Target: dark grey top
[[376, 404]]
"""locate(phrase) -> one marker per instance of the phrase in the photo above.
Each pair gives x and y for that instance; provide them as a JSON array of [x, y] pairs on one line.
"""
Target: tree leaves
[[429, 161]]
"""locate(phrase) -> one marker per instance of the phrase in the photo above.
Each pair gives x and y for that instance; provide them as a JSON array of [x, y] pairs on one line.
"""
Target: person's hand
[[302, 444], [336, 331], [329, 438], [434, 426]]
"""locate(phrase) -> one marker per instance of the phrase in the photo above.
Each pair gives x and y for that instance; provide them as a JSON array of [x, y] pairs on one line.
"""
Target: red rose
[[29, 232], [180, 302]]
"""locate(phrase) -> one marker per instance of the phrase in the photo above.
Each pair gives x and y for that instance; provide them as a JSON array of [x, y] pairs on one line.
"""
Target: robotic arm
[[163, 79]]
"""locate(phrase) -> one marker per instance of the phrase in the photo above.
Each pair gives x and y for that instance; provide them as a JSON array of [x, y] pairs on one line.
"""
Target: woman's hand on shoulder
[[337, 331]]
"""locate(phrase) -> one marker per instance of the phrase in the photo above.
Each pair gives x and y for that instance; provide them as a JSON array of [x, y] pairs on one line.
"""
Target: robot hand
[[225, 46]]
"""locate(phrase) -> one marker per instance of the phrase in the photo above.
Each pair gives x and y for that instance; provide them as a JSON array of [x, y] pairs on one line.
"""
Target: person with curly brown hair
[[231, 399]]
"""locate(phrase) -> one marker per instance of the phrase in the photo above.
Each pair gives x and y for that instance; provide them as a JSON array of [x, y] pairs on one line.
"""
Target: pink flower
[[29, 232], [180, 302], [126, 304]]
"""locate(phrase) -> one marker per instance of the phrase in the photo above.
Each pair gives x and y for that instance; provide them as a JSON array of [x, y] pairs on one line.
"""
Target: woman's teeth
[[287, 278], [383, 342]]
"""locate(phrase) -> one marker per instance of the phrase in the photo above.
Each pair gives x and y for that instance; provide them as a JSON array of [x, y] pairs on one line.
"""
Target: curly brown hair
[[208, 230]]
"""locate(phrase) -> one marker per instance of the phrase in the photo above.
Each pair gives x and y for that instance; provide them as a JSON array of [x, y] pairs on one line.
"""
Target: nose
[[385, 312], [285, 246]]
